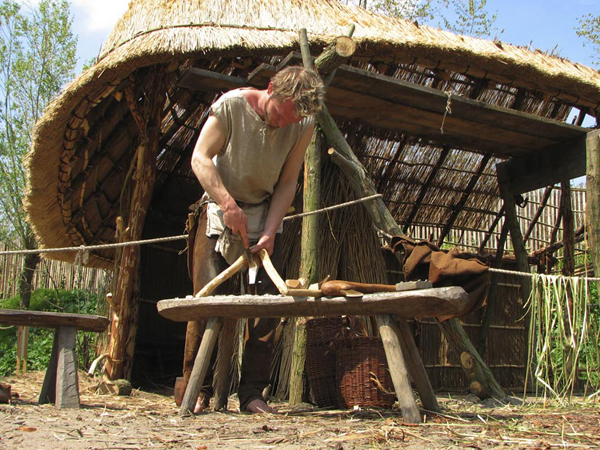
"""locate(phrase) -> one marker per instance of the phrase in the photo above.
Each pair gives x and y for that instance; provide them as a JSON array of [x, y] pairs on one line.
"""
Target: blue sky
[[545, 23]]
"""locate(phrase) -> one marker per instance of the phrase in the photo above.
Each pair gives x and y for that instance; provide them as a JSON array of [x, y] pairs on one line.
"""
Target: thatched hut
[[429, 113]]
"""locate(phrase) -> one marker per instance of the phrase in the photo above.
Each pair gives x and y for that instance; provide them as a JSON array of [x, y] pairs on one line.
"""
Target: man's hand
[[267, 242], [235, 219]]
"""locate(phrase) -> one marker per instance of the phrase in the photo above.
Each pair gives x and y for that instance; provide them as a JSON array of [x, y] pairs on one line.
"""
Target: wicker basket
[[362, 373], [321, 335]]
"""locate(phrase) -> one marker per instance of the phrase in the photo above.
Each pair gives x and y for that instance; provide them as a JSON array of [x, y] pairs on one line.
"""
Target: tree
[[37, 57], [424, 10], [589, 29], [468, 17]]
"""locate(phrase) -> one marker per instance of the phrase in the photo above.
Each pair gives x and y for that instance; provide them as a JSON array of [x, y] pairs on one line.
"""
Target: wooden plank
[[431, 99], [436, 302], [458, 132], [46, 319], [67, 386], [547, 166], [206, 80], [383, 101], [390, 336], [426, 98]]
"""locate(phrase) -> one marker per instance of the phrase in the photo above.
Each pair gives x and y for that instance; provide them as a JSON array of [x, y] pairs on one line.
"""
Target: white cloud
[[100, 15]]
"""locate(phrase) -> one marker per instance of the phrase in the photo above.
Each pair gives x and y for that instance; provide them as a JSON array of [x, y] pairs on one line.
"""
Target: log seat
[[61, 385]]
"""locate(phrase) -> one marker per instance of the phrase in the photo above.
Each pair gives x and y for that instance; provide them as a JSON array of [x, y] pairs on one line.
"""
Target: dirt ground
[[147, 420]]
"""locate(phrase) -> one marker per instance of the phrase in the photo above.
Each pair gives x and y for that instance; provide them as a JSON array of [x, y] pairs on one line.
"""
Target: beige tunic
[[251, 160]]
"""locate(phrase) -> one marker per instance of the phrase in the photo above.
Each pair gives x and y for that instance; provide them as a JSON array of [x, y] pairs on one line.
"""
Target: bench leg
[[223, 371], [67, 383], [416, 368], [201, 364], [48, 394], [390, 335]]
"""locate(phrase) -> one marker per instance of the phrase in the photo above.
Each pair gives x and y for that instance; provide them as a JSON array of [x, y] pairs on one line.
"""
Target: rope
[[532, 275], [448, 109], [94, 247], [330, 208], [83, 251]]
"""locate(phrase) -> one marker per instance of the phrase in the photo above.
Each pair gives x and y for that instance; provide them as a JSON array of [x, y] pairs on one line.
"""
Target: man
[[247, 159]]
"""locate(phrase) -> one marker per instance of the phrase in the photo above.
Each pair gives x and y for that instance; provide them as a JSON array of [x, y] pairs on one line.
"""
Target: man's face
[[279, 114]]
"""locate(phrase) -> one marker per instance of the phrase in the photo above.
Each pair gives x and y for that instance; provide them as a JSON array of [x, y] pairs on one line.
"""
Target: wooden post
[[568, 269], [201, 363], [514, 228], [493, 292], [515, 232], [336, 54], [390, 335], [593, 198], [123, 330], [223, 369], [309, 248], [416, 367], [360, 181]]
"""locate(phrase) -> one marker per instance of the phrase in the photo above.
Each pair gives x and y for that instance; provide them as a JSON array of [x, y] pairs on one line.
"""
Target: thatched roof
[[83, 144]]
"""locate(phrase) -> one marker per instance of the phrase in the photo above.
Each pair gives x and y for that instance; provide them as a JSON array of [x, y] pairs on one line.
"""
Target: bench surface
[[47, 319], [436, 302]]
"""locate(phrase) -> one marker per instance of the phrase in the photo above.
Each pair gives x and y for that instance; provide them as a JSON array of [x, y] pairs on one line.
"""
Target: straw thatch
[[83, 145]]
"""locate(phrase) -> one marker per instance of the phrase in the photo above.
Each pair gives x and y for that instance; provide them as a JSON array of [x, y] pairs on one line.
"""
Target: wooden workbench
[[61, 384], [398, 343]]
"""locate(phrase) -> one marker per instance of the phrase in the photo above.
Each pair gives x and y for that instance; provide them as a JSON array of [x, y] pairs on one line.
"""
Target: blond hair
[[303, 86]]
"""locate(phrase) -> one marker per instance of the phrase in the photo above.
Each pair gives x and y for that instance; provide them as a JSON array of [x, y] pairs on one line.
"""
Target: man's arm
[[211, 141], [283, 194]]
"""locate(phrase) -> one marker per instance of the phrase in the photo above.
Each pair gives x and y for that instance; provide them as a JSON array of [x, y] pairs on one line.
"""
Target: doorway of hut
[[159, 342]]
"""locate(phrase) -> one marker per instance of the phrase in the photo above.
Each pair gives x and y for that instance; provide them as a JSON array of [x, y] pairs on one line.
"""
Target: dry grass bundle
[[563, 336]]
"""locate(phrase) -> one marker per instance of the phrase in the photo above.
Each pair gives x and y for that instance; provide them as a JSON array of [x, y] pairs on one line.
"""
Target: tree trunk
[[593, 198], [30, 263], [309, 249]]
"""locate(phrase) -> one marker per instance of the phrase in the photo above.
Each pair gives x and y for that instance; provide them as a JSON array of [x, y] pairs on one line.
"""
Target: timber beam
[[546, 167], [385, 102]]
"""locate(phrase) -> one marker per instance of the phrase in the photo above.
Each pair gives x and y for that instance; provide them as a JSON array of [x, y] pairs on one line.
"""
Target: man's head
[[303, 87]]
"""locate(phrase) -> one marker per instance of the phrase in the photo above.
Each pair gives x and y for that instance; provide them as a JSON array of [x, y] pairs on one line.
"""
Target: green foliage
[[37, 57], [468, 17], [589, 29], [40, 339], [409, 9]]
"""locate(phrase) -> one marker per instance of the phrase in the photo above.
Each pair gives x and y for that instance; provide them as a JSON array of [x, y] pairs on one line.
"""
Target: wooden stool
[[61, 384]]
